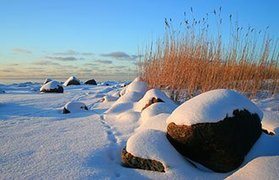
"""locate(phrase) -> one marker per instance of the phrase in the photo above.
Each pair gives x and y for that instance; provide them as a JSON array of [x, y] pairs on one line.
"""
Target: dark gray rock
[[219, 146], [129, 160]]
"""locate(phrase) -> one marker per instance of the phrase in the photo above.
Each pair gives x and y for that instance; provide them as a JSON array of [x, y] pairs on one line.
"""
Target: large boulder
[[91, 82], [71, 81], [74, 107], [216, 129], [52, 87]]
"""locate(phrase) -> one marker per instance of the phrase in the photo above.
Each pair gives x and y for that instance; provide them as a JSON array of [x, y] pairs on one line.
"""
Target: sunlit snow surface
[[37, 141]]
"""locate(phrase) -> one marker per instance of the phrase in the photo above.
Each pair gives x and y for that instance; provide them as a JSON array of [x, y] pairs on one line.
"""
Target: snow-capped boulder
[[74, 107], [52, 87], [216, 129], [137, 155], [47, 80], [72, 81], [91, 82], [153, 96], [137, 86]]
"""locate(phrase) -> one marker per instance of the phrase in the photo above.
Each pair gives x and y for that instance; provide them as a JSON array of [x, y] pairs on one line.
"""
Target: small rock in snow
[[91, 82], [74, 107], [72, 81], [52, 87]]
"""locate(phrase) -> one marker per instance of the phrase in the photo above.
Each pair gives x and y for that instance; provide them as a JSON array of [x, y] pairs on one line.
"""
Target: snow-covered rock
[[137, 86], [74, 107], [52, 87], [216, 129], [91, 82], [153, 96], [155, 109], [72, 81], [212, 106], [157, 122], [47, 80]]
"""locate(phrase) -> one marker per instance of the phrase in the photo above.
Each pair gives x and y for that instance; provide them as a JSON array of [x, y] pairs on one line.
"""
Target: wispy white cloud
[[61, 58], [121, 55], [104, 61], [21, 51], [45, 63]]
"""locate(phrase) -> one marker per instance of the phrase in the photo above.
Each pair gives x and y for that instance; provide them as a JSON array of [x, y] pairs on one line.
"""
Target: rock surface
[[72, 81], [73, 107], [136, 162], [52, 87], [91, 82], [220, 146]]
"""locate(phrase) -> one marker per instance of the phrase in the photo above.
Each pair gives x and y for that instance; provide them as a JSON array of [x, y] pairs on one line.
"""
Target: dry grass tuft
[[193, 61]]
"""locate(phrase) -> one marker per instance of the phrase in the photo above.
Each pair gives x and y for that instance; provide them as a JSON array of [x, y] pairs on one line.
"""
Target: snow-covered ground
[[38, 141]]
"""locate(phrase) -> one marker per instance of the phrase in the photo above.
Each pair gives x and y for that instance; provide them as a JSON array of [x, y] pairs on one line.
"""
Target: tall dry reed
[[193, 60]]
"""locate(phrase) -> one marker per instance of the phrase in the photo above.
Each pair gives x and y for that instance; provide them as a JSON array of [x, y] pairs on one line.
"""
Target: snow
[[155, 109], [137, 86], [212, 106], [39, 142], [157, 94], [75, 107], [50, 85], [70, 79]]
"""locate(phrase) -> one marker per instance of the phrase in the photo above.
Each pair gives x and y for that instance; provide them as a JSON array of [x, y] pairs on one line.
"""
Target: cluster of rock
[[215, 129], [51, 86]]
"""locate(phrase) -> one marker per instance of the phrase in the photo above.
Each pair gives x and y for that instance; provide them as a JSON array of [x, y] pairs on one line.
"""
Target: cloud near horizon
[[60, 58], [103, 61], [72, 52], [21, 51], [45, 63], [121, 55]]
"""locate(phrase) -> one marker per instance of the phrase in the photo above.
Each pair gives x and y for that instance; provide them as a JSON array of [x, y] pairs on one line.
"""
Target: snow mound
[[153, 144], [50, 86], [109, 98], [137, 86], [154, 93], [212, 106], [155, 109], [72, 81], [259, 168], [157, 122], [74, 107]]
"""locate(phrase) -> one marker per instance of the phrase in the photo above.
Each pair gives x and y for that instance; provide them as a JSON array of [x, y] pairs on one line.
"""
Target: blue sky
[[101, 38]]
